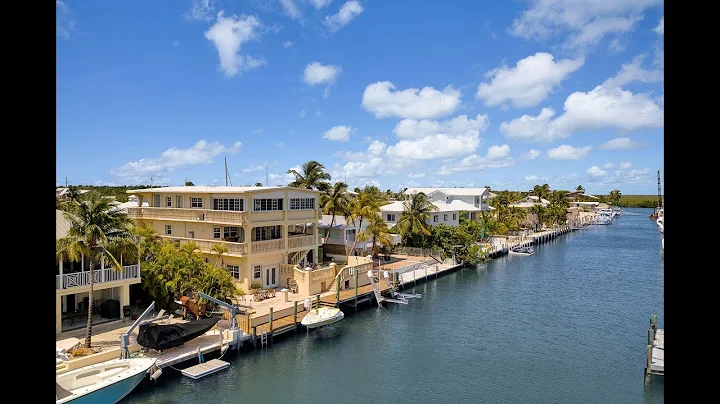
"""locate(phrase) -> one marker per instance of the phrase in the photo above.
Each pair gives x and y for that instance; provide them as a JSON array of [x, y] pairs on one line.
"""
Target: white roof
[[449, 191], [454, 206], [339, 223], [202, 189], [585, 203]]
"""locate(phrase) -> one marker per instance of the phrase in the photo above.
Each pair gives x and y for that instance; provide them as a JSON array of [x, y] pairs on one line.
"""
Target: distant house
[[530, 201], [577, 194], [342, 237], [472, 200], [446, 213], [62, 192]]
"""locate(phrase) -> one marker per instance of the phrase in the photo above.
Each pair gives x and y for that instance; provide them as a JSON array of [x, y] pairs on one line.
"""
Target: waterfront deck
[[655, 362]]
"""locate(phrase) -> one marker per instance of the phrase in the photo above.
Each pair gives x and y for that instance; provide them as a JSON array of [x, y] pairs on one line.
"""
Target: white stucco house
[[457, 198], [530, 201]]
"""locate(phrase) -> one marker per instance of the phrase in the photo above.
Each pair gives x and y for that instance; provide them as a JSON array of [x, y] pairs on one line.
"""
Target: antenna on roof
[[227, 174]]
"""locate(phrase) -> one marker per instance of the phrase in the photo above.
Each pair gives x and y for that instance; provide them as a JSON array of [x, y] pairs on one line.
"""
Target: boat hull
[[108, 389], [315, 321], [110, 394]]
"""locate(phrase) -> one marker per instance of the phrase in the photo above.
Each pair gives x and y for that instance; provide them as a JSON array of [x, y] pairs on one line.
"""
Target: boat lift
[[125, 338]]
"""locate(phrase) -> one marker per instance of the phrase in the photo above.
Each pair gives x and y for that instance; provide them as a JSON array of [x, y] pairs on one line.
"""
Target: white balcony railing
[[77, 279], [267, 246], [206, 246]]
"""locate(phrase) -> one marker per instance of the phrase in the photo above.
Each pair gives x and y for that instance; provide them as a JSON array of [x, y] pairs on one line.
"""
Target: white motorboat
[[660, 221], [521, 250], [322, 316], [602, 219], [106, 382]]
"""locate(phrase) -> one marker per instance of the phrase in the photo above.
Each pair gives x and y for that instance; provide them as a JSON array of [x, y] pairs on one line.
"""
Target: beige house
[[264, 228], [72, 283]]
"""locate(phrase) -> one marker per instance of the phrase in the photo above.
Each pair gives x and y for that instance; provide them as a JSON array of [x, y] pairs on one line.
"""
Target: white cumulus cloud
[[496, 156], [291, 9], [382, 100], [320, 3], [64, 21], [620, 143], [606, 106], [531, 154], [567, 152], [174, 159], [347, 13], [338, 133], [460, 125], [317, 73], [531, 178], [528, 83], [587, 22], [228, 34]]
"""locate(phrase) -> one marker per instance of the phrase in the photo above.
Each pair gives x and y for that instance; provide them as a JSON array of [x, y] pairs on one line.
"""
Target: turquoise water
[[566, 325]]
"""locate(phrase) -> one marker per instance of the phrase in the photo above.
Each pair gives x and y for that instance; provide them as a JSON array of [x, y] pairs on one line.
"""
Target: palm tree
[[377, 231], [615, 196], [313, 176], [99, 231], [579, 188], [219, 249], [539, 212], [366, 204], [416, 211], [335, 201]]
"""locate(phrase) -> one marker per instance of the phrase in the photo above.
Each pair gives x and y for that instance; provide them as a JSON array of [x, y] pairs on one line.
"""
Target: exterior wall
[[430, 220], [271, 260], [99, 292]]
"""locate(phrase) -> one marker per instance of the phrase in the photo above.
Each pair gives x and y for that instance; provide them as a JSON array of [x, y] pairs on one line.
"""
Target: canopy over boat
[[164, 336]]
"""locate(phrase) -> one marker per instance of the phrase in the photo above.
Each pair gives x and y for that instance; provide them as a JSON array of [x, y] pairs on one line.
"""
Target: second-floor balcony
[[103, 275], [200, 215], [206, 246], [221, 216]]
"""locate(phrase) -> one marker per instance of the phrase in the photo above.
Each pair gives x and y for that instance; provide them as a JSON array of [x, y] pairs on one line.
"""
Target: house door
[[271, 277], [70, 303]]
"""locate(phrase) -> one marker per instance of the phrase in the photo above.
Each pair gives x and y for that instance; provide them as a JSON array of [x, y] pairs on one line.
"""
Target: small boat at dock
[[521, 250], [322, 316], [106, 382]]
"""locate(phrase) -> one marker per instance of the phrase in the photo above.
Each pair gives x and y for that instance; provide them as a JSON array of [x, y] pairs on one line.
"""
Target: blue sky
[[392, 93]]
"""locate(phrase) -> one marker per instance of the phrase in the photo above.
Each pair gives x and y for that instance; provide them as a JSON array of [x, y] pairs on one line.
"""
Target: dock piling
[[270, 320]]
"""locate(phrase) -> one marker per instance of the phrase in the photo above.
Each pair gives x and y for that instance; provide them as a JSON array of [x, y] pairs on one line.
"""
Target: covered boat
[[164, 336], [322, 316], [522, 250], [106, 382]]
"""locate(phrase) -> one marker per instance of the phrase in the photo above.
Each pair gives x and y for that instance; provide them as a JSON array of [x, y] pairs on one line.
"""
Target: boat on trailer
[[521, 250], [106, 382], [322, 316]]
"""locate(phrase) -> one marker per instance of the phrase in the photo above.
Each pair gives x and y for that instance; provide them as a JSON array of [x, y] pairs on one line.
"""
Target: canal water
[[566, 325]]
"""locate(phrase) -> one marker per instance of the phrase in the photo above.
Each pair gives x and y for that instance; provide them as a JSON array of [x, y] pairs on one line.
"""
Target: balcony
[[302, 215], [212, 216], [268, 246], [78, 279], [301, 241], [238, 249]]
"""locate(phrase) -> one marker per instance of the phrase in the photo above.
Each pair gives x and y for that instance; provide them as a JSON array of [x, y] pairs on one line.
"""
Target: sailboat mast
[[660, 202]]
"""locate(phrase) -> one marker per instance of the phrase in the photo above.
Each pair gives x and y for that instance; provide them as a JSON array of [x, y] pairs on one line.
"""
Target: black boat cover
[[164, 336]]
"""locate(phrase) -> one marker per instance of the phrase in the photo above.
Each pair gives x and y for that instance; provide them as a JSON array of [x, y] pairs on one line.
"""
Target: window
[[191, 234], [261, 205], [454, 216], [435, 218], [168, 230], [180, 201], [196, 202], [216, 232], [168, 201], [302, 203], [267, 233], [229, 204], [390, 217], [234, 271], [445, 217], [257, 272], [230, 232], [350, 235], [477, 200], [156, 200]]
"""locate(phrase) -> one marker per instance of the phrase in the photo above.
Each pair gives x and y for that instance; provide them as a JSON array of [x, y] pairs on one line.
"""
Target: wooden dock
[[205, 368], [655, 362], [205, 344]]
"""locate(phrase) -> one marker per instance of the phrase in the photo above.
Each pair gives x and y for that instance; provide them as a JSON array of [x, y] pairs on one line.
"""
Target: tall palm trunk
[[88, 333]]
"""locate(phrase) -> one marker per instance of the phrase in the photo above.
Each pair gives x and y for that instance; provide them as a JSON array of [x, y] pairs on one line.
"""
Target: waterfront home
[[580, 195], [446, 213], [72, 284], [338, 241], [474, 197], [530, 201], [585, 206], [264, 228]]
